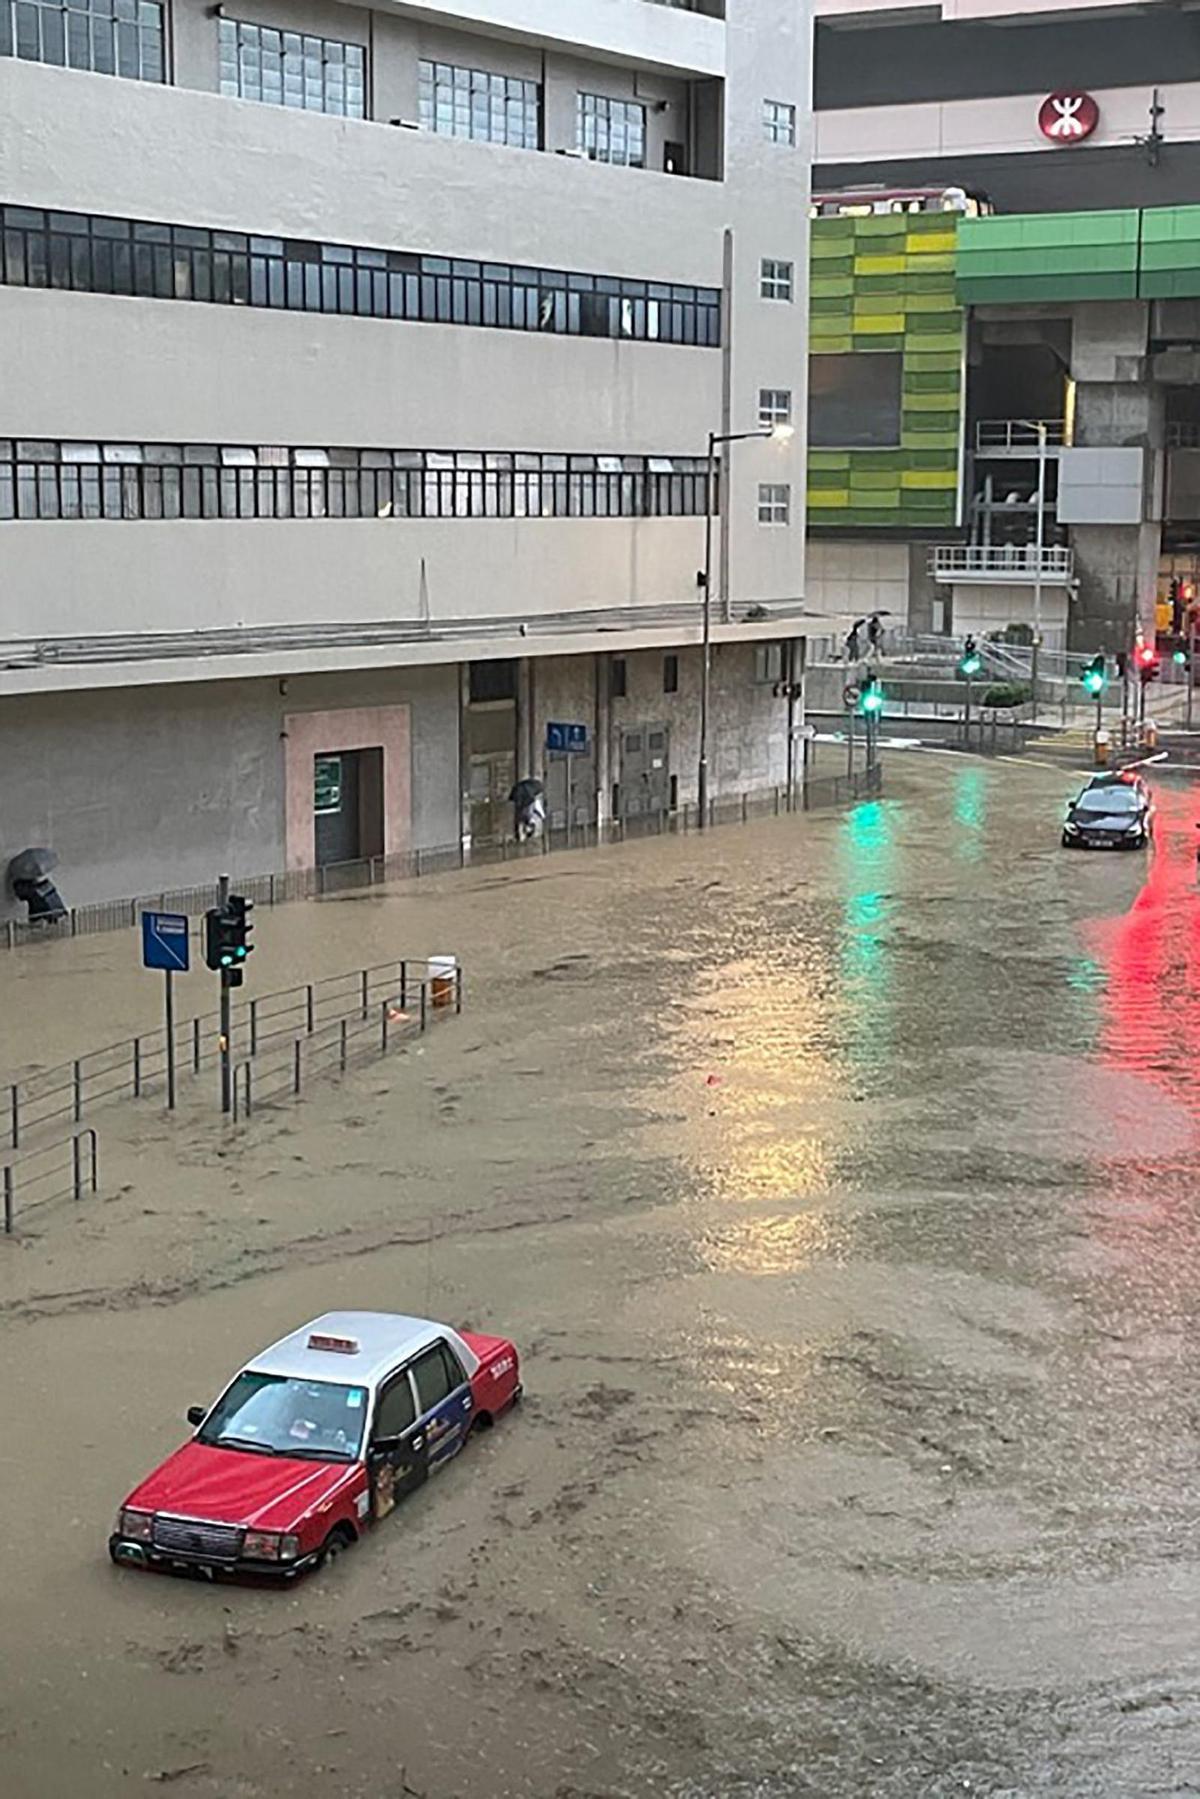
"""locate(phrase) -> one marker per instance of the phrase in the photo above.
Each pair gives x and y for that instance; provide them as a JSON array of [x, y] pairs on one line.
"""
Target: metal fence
[[354, 1037], [137, 1066], [65, 1170], [373, 871]]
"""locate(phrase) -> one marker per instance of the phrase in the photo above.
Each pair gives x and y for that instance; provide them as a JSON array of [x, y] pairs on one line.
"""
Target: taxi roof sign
[[337, 1345]]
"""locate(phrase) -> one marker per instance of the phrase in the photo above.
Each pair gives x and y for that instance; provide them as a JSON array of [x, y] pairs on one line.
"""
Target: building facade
[[1057, 145], [357, 369]]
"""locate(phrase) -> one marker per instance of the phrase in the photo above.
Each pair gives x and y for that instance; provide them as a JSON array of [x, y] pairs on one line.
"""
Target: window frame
[[450, 1363], [775, 503], [136, 258], [779, 122], [777, 280], [69, 41], [387, 1386], [429, 109], [624, 117], [239, 31], [771, 414]]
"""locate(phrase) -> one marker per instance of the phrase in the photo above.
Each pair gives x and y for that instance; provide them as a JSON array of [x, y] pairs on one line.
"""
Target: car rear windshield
[[270, 1414], [1109, 799]]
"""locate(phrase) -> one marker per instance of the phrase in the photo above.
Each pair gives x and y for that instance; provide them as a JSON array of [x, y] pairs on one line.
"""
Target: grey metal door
[[645, 784], [579, 774]]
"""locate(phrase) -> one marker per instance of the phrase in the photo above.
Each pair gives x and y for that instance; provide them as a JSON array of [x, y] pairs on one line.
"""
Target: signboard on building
[[567, 740], [1067, 118]]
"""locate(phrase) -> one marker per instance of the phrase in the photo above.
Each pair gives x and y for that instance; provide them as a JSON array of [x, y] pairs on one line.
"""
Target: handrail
[[10, 1171]]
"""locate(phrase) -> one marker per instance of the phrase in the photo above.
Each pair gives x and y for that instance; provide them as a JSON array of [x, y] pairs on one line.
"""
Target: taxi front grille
[[184, 1536]]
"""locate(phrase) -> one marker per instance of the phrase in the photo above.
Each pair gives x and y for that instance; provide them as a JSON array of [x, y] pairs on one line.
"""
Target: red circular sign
[[1068, 118]]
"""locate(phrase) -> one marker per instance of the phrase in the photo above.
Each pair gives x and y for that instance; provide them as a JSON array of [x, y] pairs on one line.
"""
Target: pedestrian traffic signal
[[1094, 677], [970, 662], [1146, 661], [226, 937], [870, 699]]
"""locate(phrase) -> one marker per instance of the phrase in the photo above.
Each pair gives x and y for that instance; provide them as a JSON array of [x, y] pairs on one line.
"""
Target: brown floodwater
[[837, 1177]]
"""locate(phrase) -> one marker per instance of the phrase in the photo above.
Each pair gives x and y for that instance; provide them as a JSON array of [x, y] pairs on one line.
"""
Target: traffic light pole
[[1191, 664], [967, 714], [226, 1013]]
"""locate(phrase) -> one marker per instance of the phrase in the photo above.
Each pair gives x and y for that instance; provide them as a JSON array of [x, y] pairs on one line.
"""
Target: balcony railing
[[1017, 437], [950, 562]]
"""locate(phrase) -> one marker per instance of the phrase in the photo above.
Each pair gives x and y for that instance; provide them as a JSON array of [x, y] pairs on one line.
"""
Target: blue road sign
[[567, 740], [165, 941]]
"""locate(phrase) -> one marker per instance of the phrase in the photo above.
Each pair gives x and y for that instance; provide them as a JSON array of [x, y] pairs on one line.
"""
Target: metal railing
[[371, 871], [341, 1042], [1019, 435], [136, 1067], [76, 1172], [999, 562]]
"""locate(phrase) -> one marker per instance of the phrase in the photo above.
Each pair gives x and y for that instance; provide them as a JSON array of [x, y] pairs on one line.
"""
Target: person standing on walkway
[[853, 650], [874, 635]]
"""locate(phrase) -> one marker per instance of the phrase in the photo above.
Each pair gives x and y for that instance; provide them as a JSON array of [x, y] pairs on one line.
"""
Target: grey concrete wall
[[147, 788], [748, 725]]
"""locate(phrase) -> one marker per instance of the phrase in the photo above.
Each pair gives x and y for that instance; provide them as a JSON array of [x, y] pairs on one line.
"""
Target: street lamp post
[[780, 434], [1039, 426]]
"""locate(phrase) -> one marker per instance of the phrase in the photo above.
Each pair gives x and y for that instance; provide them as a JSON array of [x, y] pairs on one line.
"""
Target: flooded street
[[837, 1178]]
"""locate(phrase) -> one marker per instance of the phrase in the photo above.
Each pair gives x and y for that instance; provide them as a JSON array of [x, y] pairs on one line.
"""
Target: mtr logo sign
[[1068, 118]]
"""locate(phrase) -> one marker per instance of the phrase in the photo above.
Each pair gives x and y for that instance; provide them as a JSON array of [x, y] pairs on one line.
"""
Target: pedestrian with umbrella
[[29, 878], [528, 799]]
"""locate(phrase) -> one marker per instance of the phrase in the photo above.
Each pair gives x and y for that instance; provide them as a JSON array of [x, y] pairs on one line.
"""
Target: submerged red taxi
[[312, 1441]]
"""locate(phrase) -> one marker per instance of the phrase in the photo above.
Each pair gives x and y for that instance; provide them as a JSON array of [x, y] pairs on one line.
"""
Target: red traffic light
[[1146, 655]]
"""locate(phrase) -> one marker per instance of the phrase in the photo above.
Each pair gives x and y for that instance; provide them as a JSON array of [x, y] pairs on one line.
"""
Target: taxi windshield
[[270, 1414]]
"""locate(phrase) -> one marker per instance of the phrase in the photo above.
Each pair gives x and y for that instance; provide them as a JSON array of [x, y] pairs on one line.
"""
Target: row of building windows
[[109, 37], [291, 68], [101, 255], [42, 479], [329, 75]]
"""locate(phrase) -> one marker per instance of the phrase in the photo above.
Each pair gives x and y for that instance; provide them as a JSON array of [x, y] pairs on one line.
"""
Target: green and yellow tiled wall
[[887, 283]]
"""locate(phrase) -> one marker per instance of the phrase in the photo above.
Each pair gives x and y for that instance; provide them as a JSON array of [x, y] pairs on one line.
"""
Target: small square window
[[670, 674], [774, 406], [774, 503], [779, 122], [775, 281]]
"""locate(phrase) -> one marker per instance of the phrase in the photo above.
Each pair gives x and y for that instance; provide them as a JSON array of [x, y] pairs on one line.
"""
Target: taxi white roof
[[383, 1339]]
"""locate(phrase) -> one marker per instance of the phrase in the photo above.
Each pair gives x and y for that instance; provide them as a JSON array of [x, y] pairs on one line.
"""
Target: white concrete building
[[357, 366]]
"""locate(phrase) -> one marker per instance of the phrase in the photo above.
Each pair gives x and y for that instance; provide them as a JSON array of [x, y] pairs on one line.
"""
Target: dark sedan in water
[[1116, 816]]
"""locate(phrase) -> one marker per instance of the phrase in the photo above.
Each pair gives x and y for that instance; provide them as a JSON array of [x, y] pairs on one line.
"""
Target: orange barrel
[[443, 979]]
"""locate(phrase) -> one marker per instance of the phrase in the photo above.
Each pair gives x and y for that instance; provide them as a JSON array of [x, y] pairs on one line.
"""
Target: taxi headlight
[[262, 1545], [137, 1526]]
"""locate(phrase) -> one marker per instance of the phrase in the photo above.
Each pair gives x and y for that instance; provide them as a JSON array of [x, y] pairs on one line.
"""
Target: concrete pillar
[[525, 719], [464, 698], [603, 734], [1118, 405]]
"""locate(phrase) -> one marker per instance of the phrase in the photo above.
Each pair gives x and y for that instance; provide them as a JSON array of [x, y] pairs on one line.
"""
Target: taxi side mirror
[[196, 1414]]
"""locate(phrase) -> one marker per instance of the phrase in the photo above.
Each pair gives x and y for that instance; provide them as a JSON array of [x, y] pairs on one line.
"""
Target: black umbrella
[[526, 791], [31, 865]]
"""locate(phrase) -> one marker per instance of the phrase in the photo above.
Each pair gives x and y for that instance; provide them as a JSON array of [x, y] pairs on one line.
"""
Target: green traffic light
[[872, 702], [1094, 683], [1180, 657]]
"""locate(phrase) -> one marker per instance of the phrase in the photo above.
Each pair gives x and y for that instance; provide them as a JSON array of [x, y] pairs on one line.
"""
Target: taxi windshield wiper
[[234, 1442]]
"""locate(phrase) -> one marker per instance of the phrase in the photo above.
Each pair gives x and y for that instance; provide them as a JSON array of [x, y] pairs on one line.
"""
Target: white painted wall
[[107, 577], [858, 577], [84, 366], [982, 608]]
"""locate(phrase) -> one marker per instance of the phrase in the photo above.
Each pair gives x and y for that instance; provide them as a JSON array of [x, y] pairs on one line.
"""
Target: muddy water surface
[[837, 1177]]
